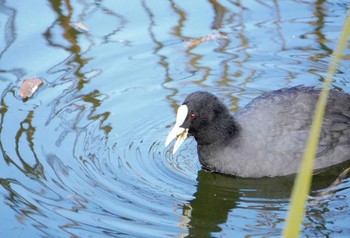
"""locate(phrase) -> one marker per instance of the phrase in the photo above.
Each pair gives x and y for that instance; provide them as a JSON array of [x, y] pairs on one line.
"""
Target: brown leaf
[[346, 57], [194, 43], [29, 86], [215, 36]]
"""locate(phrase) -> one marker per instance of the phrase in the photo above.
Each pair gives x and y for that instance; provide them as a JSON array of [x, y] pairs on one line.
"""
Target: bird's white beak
[[178, 132]]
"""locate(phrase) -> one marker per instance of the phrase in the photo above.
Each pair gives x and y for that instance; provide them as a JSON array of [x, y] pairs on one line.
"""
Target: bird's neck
[[222, 132], [212, 152]]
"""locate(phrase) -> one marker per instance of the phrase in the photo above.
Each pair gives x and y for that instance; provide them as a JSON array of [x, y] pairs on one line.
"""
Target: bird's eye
[[192, 116]]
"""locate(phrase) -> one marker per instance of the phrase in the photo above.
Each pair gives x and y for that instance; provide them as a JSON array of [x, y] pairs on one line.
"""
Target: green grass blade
[[302, 184]]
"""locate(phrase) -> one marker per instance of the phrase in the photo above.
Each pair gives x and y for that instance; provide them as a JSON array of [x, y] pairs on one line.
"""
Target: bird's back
[[275, 128]]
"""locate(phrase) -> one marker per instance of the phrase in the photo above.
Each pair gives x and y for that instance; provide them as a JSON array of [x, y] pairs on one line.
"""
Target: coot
[[268, 136]]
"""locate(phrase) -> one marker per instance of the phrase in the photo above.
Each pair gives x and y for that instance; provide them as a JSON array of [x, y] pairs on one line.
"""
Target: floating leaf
[[29, 86], [80, 26], [346, 57], [215, 36]]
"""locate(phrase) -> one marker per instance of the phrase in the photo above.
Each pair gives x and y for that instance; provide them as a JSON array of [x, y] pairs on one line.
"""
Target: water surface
[[85, 156]]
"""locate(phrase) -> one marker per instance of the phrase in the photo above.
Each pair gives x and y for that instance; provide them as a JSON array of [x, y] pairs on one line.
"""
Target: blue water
[[85, 156]]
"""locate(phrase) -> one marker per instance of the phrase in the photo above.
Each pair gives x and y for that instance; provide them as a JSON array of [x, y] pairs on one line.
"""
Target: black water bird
[[268, 136]]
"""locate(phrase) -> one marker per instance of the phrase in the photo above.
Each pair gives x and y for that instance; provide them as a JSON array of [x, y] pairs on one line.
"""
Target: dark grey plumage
[[267, 137]]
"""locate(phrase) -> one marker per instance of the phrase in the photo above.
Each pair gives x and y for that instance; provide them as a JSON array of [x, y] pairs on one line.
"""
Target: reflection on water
[[85, 156], [221, 200]]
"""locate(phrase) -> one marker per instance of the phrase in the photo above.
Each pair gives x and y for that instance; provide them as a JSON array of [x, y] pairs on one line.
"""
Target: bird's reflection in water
[[219, 195]]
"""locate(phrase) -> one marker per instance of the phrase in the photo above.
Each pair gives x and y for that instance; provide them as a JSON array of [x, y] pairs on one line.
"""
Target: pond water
[[85, 156]]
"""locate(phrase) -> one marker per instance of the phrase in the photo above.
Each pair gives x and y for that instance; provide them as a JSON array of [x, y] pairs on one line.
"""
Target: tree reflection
[[74, 107], [47, 141], [9, 26]]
